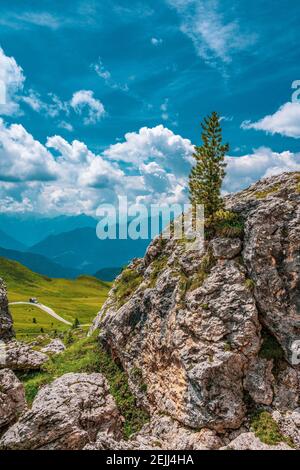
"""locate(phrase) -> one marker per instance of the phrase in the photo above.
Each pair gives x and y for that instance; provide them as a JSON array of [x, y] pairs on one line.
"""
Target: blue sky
[[80, 75]]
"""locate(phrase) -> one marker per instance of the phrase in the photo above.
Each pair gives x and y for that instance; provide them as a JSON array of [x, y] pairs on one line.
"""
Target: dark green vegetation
[[226, 224], [85, 355], [81, 298], [128, 282], [267, 430], [206, 177], [270, 348]]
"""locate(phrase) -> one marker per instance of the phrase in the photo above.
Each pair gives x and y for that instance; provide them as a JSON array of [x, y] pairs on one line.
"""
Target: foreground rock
[[248, 441], [56, 346], [187, 325], [20, 356], [6, 323], [162, 433], [12, 398], [66, 415]]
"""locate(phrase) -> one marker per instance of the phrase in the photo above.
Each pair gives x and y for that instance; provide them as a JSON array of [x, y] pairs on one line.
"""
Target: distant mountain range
[[29, 229], [81, 249], [108, 274], [40, 264], [65, 247], [8, 242]]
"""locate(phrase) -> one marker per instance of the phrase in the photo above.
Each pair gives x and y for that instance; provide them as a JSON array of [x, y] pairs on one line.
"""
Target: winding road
[[45, 309]]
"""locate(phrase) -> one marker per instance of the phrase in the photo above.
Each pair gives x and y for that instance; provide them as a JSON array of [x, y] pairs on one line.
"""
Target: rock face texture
[[189, 327], [20, 356], [248, 441], [66, 415], [162, 433], [12, 398], [6, 323]]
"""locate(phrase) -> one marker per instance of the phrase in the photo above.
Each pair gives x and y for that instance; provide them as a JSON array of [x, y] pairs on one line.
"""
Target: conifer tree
[[206, 177]]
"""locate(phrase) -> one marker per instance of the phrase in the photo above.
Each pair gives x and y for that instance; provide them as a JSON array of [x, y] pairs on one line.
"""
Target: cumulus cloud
[[149, 166], [157, 144], [11, 82], [84, 100], [285, 121], [263, 162], [213, 37], [22, 158]]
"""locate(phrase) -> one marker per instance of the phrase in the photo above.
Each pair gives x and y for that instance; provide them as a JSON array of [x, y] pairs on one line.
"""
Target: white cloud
[[213, 37], [52, 109], [84, 100], [151, 165], [105, 74], [285, 121], [11, 82], [22, 158], [40, 19], [65, 125], [156, 41], [157, 144], [263, 162]]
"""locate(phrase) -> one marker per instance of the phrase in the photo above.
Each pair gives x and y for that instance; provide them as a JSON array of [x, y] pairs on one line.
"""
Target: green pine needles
[[207, 175]]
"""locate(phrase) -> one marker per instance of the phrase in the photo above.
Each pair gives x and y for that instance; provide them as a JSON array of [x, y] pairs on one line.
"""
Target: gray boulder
[[12, 398], [66, 415], [20, 356]]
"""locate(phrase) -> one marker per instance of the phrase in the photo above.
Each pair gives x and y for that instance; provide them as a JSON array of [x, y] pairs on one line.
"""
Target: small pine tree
[[206, 177], [76, 323], [34, 320]]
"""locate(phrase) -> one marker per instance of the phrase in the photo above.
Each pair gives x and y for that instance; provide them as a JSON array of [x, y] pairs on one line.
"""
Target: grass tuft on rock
[[267, 192], [127, 283], [267, 430]]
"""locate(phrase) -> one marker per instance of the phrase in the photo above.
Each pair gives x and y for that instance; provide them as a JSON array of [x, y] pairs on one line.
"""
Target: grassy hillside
[[80, 298]]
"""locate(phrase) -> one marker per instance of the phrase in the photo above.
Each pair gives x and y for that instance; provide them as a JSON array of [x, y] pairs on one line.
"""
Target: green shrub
[[266, 429], [226, 224]]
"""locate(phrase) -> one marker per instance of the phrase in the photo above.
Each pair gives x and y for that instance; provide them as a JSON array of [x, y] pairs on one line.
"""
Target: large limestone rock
[[271, 209], [20, 356], [66, 415], [12, 398], [6, 322], [188, 330], [161, 433]]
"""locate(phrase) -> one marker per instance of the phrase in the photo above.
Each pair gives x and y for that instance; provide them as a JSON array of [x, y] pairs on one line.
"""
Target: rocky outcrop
[[56, 346], [66, 415], [161, 433], [187, 325], [248, 441], [12, 398], [20, 356], [6, 322]]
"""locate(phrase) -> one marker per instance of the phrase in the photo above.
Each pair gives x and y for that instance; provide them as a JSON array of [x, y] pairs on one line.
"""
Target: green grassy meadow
[[81, 298]]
